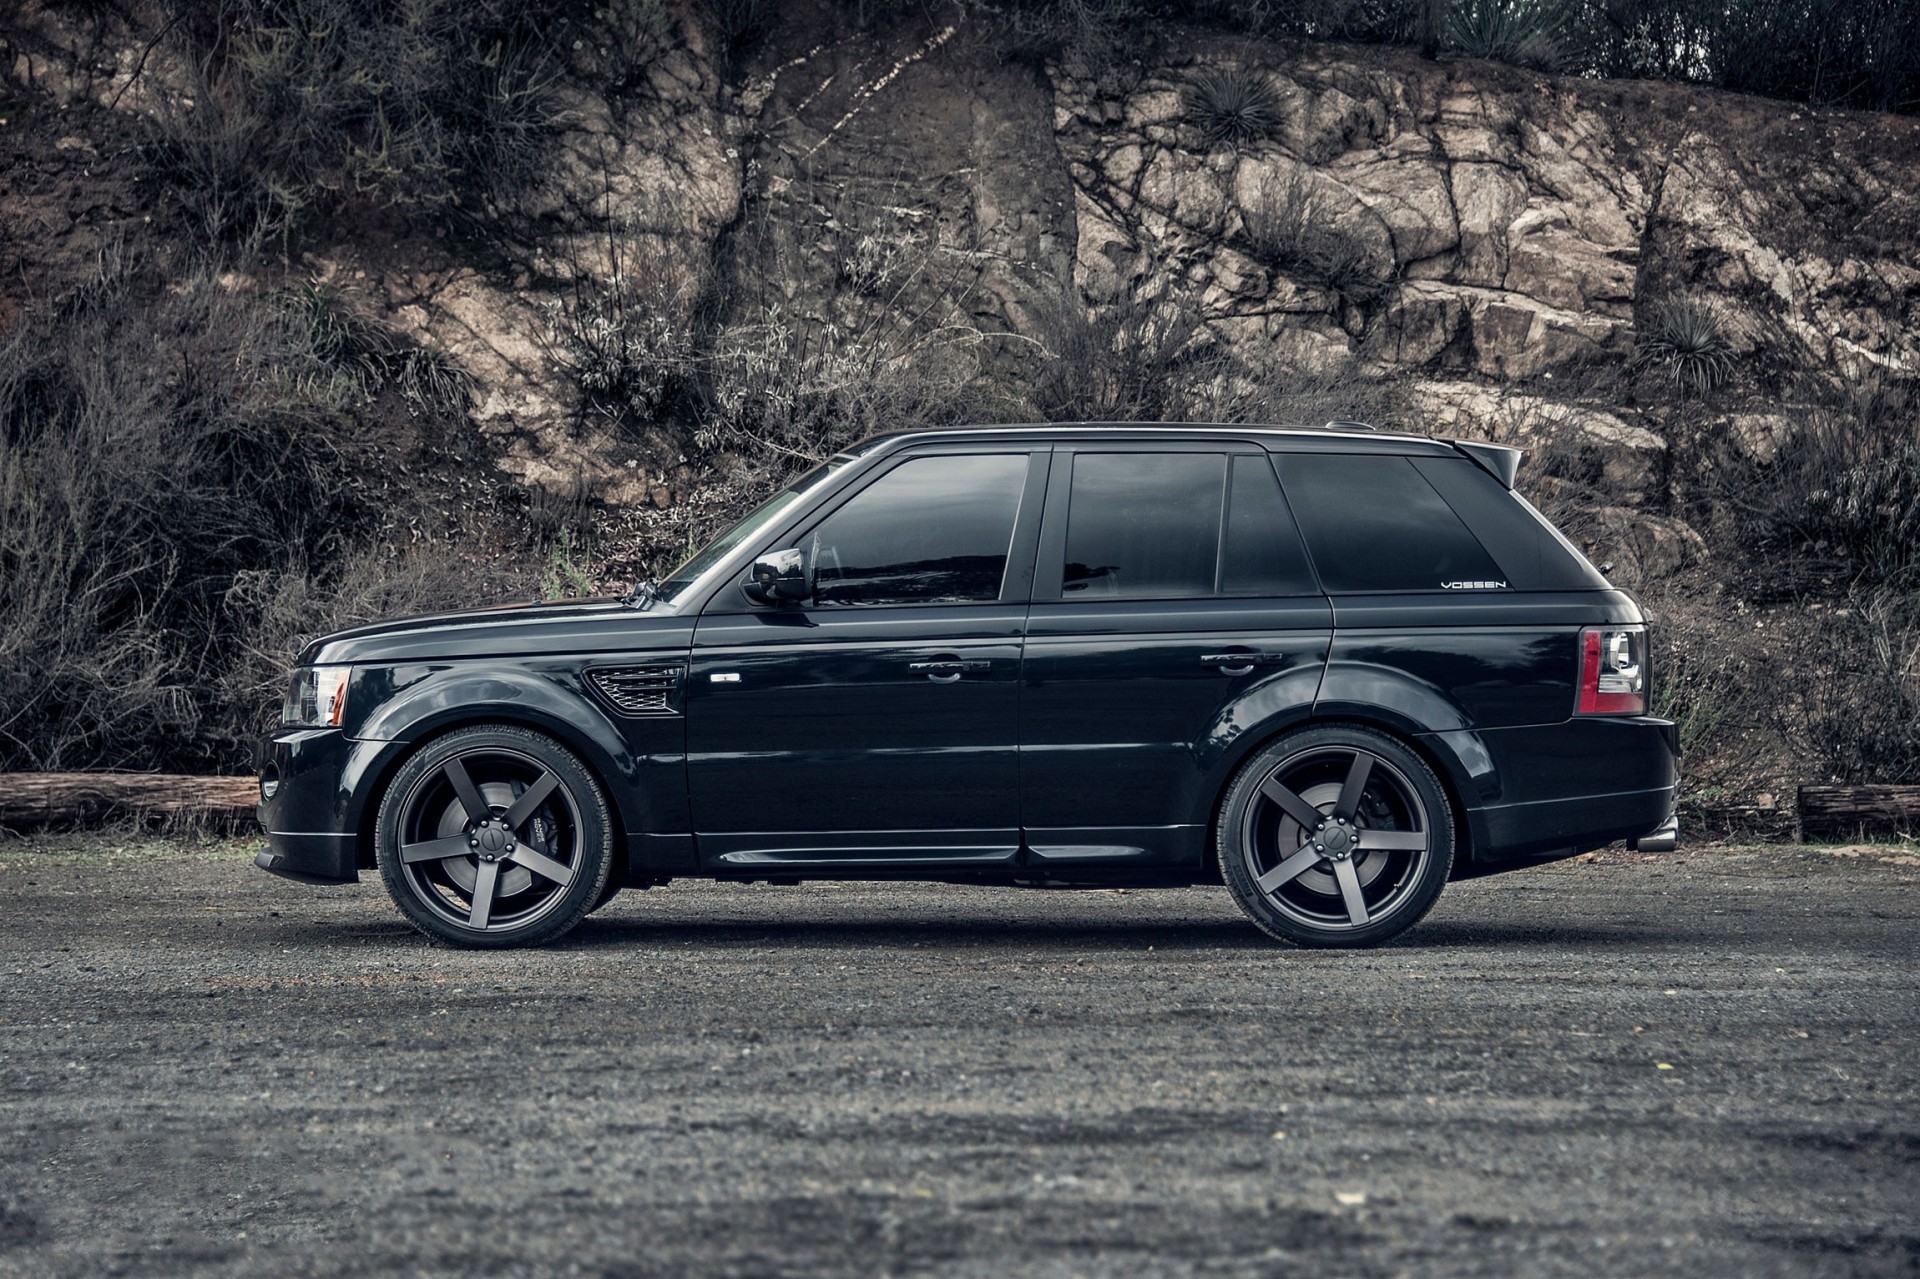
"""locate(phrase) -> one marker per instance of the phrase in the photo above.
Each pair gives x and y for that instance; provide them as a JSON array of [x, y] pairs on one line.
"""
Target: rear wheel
[[494, 836], [1335, 836]]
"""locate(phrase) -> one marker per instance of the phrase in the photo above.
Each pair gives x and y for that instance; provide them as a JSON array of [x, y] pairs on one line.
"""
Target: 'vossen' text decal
[[1473, 586]]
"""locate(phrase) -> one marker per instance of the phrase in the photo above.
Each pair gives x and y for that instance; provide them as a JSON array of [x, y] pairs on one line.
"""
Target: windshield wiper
[[644, 592]]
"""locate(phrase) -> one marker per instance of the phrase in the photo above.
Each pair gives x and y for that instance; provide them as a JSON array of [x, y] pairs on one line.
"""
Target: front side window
[[1374, 523], [932, 530]]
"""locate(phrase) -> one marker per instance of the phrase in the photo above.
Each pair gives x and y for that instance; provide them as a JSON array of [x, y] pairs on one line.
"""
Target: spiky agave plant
[[1233, 105], [1688, 339], [1525, 33]]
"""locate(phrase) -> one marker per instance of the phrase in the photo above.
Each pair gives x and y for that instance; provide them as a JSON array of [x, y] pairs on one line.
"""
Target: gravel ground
[[1702, 1063]]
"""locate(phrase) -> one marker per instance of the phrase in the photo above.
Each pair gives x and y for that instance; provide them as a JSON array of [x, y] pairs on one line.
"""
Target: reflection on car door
[[877, 723], [1173, 605]]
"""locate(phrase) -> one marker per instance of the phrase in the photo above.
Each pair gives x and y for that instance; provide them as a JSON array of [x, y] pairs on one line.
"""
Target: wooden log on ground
[[64, 799], [1856, 812]]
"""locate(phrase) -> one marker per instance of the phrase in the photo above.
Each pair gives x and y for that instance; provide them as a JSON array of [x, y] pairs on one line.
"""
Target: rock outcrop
[[1494, 235]]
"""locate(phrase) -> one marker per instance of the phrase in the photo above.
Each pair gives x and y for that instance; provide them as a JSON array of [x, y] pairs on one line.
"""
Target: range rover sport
[[1330, 668]]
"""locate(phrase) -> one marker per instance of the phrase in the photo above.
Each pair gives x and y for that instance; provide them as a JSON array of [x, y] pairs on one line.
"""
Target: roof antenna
[[1341, 424]]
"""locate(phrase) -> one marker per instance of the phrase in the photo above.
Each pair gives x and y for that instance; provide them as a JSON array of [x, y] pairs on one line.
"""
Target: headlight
[[317, 696]]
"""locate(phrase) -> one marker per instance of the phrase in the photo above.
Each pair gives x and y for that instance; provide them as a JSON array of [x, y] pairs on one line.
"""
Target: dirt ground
[[1706, 1063]]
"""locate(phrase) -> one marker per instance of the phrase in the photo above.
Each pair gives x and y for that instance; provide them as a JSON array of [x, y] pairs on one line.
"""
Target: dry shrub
[[628, 340], [802, 389], [1849, 706], [1145, 357], [437, 105], [1293, 226], [1838, 497], [160, 448]]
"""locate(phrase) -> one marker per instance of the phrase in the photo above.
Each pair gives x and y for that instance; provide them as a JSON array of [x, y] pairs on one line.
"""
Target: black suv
[[1332, 668]]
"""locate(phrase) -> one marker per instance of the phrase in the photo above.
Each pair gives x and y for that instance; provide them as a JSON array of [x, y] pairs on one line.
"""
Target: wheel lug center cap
[[1337, 840], [492, 839]]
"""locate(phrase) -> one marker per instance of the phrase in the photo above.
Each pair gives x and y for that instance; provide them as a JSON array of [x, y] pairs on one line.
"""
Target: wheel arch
[[602, 761], [1432, 749]]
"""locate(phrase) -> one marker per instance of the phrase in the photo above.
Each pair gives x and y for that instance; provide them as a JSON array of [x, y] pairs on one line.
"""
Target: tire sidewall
[[1246, 783], [596, 835]]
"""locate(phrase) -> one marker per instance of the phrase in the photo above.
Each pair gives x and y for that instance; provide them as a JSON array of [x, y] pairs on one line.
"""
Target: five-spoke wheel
[[1335, 836], [494, 836]]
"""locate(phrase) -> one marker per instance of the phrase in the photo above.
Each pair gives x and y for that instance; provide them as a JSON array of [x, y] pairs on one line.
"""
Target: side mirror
[[779, 577]]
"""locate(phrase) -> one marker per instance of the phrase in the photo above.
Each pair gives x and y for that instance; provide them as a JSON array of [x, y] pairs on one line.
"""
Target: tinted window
[[1143, 525], [1374, 524], [1263, 555], [934, 529], [1532, 553]]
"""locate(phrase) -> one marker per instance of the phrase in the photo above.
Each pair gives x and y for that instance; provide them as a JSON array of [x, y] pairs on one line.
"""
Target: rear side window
[[931, 530], [1373, 523], [1143, 525], [1179, 526]]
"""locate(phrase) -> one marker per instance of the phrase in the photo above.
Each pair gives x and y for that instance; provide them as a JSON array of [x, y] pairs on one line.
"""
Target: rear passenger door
[[1173, 610]]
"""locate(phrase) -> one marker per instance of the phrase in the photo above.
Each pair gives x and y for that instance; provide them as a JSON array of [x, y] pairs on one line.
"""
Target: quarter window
[[931, 530], [1373, 523]]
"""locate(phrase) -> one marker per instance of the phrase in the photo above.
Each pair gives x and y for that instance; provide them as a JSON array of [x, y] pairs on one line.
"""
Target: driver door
[[876, 722]]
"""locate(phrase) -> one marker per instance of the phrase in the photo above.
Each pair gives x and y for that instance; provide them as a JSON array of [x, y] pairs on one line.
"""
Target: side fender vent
[[640, 690]]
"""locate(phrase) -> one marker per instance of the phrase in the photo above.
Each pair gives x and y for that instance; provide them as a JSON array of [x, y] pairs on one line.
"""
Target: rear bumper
[[1548, 790], [1663, 838]]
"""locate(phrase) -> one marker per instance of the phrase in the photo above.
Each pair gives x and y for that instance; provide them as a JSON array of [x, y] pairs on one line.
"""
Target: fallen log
[[61, 799], [1857, 812]]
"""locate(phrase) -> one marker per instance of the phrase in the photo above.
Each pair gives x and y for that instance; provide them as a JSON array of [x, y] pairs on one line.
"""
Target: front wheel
[[494, 836], [1337, 836]]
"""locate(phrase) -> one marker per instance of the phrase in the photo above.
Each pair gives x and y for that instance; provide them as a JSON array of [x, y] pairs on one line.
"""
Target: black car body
[[1022, 655]]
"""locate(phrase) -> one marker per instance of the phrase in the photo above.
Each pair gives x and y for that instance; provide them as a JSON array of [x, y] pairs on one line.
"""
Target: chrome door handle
[[945, 670], [1241, 663]]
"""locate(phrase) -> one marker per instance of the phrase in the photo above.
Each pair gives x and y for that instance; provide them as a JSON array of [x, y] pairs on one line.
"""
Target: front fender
[[642, 763]]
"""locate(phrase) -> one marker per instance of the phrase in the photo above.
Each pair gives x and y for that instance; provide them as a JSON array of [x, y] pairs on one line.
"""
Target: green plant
[[1526, 33], [1294, 227], [567, 576], [1689, 340], [1233, 104]]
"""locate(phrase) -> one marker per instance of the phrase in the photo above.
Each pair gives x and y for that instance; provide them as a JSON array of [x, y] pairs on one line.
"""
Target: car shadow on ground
[[906, 934]]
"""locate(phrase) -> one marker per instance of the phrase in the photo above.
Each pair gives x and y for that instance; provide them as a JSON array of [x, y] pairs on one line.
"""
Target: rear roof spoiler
[[1501, 461]]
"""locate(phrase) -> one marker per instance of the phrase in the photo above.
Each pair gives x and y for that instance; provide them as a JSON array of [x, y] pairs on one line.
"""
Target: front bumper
[[311, 859], [311, 784]]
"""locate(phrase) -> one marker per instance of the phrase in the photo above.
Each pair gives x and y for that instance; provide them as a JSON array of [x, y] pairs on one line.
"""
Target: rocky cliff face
[[1497, 241]]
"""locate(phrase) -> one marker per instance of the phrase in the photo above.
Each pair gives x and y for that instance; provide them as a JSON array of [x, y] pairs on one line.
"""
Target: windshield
[[725, 544]]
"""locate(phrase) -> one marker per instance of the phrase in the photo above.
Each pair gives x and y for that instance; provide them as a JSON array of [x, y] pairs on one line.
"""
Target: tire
[[607, 894], [1337, 836], [494, 836]]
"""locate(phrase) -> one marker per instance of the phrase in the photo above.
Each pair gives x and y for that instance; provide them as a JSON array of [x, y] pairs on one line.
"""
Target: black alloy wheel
[[1337, 836], [494, 836]]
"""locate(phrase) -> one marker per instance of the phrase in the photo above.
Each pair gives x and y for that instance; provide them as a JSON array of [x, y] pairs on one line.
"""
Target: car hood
[[514, 630]]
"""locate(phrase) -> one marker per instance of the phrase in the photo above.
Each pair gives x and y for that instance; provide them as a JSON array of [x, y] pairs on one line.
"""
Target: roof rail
[[1341, 424]]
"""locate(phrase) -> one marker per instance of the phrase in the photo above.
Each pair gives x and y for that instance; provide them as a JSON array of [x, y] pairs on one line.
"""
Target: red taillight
[[1613, 671]]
